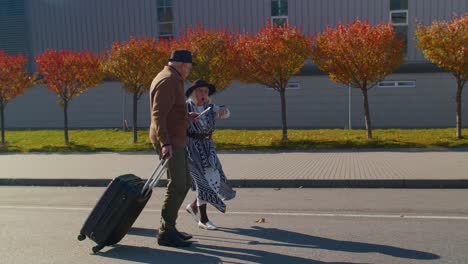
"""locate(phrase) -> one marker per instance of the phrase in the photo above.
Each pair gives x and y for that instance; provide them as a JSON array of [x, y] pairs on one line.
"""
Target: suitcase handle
[[157, 173]]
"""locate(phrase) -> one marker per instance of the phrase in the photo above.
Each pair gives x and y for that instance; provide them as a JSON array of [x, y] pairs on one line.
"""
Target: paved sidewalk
[[349, 168]]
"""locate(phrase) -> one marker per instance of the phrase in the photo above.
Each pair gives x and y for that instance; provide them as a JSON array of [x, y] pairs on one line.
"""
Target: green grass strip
[[115, 140]]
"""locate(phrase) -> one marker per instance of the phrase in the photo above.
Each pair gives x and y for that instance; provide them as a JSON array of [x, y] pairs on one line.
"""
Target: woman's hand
[[223, 112]]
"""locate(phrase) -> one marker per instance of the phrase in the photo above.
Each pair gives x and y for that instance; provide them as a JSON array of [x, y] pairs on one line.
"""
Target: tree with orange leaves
[[14, 80], [213, 52], [272, 57], [359, 55], [135, 63], [69, 74], [445, 43]]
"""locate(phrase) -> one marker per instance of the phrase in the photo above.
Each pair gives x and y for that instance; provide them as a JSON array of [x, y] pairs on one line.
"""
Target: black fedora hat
[[181, 56], [200, 83]]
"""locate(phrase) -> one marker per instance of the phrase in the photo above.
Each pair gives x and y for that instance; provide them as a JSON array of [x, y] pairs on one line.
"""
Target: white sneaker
[[195, 216], [208, 225]]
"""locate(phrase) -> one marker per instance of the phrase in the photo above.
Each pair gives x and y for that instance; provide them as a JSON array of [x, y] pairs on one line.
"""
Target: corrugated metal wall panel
[[96, 24], [314, 15], [88, 24], [319, 103], [242, 15], [13, 27]]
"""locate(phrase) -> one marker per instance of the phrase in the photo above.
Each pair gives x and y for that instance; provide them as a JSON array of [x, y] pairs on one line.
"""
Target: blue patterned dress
[[208, 177]]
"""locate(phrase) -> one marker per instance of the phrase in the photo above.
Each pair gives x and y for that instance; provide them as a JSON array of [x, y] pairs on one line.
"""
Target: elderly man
[[167, 133]]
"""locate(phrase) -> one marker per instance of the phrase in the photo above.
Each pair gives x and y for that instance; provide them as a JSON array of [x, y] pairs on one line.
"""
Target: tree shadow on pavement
[[200, 253], [283, 238], [245, 250], [247, 254], [155, 255], [206, 254], [145, 232]]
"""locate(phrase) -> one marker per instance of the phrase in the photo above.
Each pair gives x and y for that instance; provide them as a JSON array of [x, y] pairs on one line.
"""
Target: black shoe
[[184, 236], [171, 239]]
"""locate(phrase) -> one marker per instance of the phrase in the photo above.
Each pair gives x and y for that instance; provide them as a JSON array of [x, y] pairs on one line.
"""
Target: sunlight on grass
[[116, 140]]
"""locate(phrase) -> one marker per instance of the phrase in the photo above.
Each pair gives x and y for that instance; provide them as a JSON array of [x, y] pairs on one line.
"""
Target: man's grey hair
[[175, 63]]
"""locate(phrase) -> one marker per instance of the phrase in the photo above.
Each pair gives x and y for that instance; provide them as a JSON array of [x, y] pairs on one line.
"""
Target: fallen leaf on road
[[260, 220]]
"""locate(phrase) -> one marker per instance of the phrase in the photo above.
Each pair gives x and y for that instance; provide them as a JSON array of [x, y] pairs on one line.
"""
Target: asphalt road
[[40, 225]]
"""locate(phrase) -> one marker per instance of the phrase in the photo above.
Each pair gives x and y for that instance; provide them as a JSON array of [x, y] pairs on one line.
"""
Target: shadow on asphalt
[[283, 238], [146, 232], [155, 255], [276, 238]]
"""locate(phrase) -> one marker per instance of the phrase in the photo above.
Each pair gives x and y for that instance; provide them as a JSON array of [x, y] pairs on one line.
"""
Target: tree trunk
[[2, 109], [283, 113], [65, 121], [459, 108], [367, 113], [135, 114]]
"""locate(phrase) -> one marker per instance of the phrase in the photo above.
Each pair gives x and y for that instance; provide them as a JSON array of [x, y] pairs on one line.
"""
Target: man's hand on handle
[[193, 117], [167, 152]]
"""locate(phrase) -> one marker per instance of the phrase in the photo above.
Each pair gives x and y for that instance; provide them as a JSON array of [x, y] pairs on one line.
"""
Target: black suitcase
[[118, 208]]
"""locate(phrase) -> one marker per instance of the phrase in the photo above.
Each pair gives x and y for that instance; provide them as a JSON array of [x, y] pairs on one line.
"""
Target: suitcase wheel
[[81, 237], [97, 248]]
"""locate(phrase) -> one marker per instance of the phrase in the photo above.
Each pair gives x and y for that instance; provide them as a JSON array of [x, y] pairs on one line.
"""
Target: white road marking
[[394, 216]]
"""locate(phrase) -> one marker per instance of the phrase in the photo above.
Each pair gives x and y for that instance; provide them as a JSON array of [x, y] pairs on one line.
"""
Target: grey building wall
[[319, 103], [103, 106], [241, 15], [94, 25], [312, 16], [13, 27], [88, 24]]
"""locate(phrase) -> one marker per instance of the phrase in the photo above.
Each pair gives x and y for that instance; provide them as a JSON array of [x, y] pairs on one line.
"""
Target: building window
[[165, 18], [279, 12], [399, 19], [291, 86], [397, 84]]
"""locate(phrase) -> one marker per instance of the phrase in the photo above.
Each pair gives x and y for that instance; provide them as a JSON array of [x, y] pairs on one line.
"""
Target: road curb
[[293, 183]]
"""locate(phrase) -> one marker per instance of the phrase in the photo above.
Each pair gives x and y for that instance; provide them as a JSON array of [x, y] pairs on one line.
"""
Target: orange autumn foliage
[[213, 52], [69, 73], [358, 54], [14, 79], [136, 62]]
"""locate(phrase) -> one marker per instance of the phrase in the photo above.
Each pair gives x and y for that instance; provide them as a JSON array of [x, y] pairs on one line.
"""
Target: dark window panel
[[402, 33], [280, 21], [279, 8], [399, 18], [162, 3], [398, 4], [165, 14], [165, 29]]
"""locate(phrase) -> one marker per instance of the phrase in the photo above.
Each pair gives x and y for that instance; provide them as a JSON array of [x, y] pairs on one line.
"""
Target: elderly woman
[[208, 178]]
